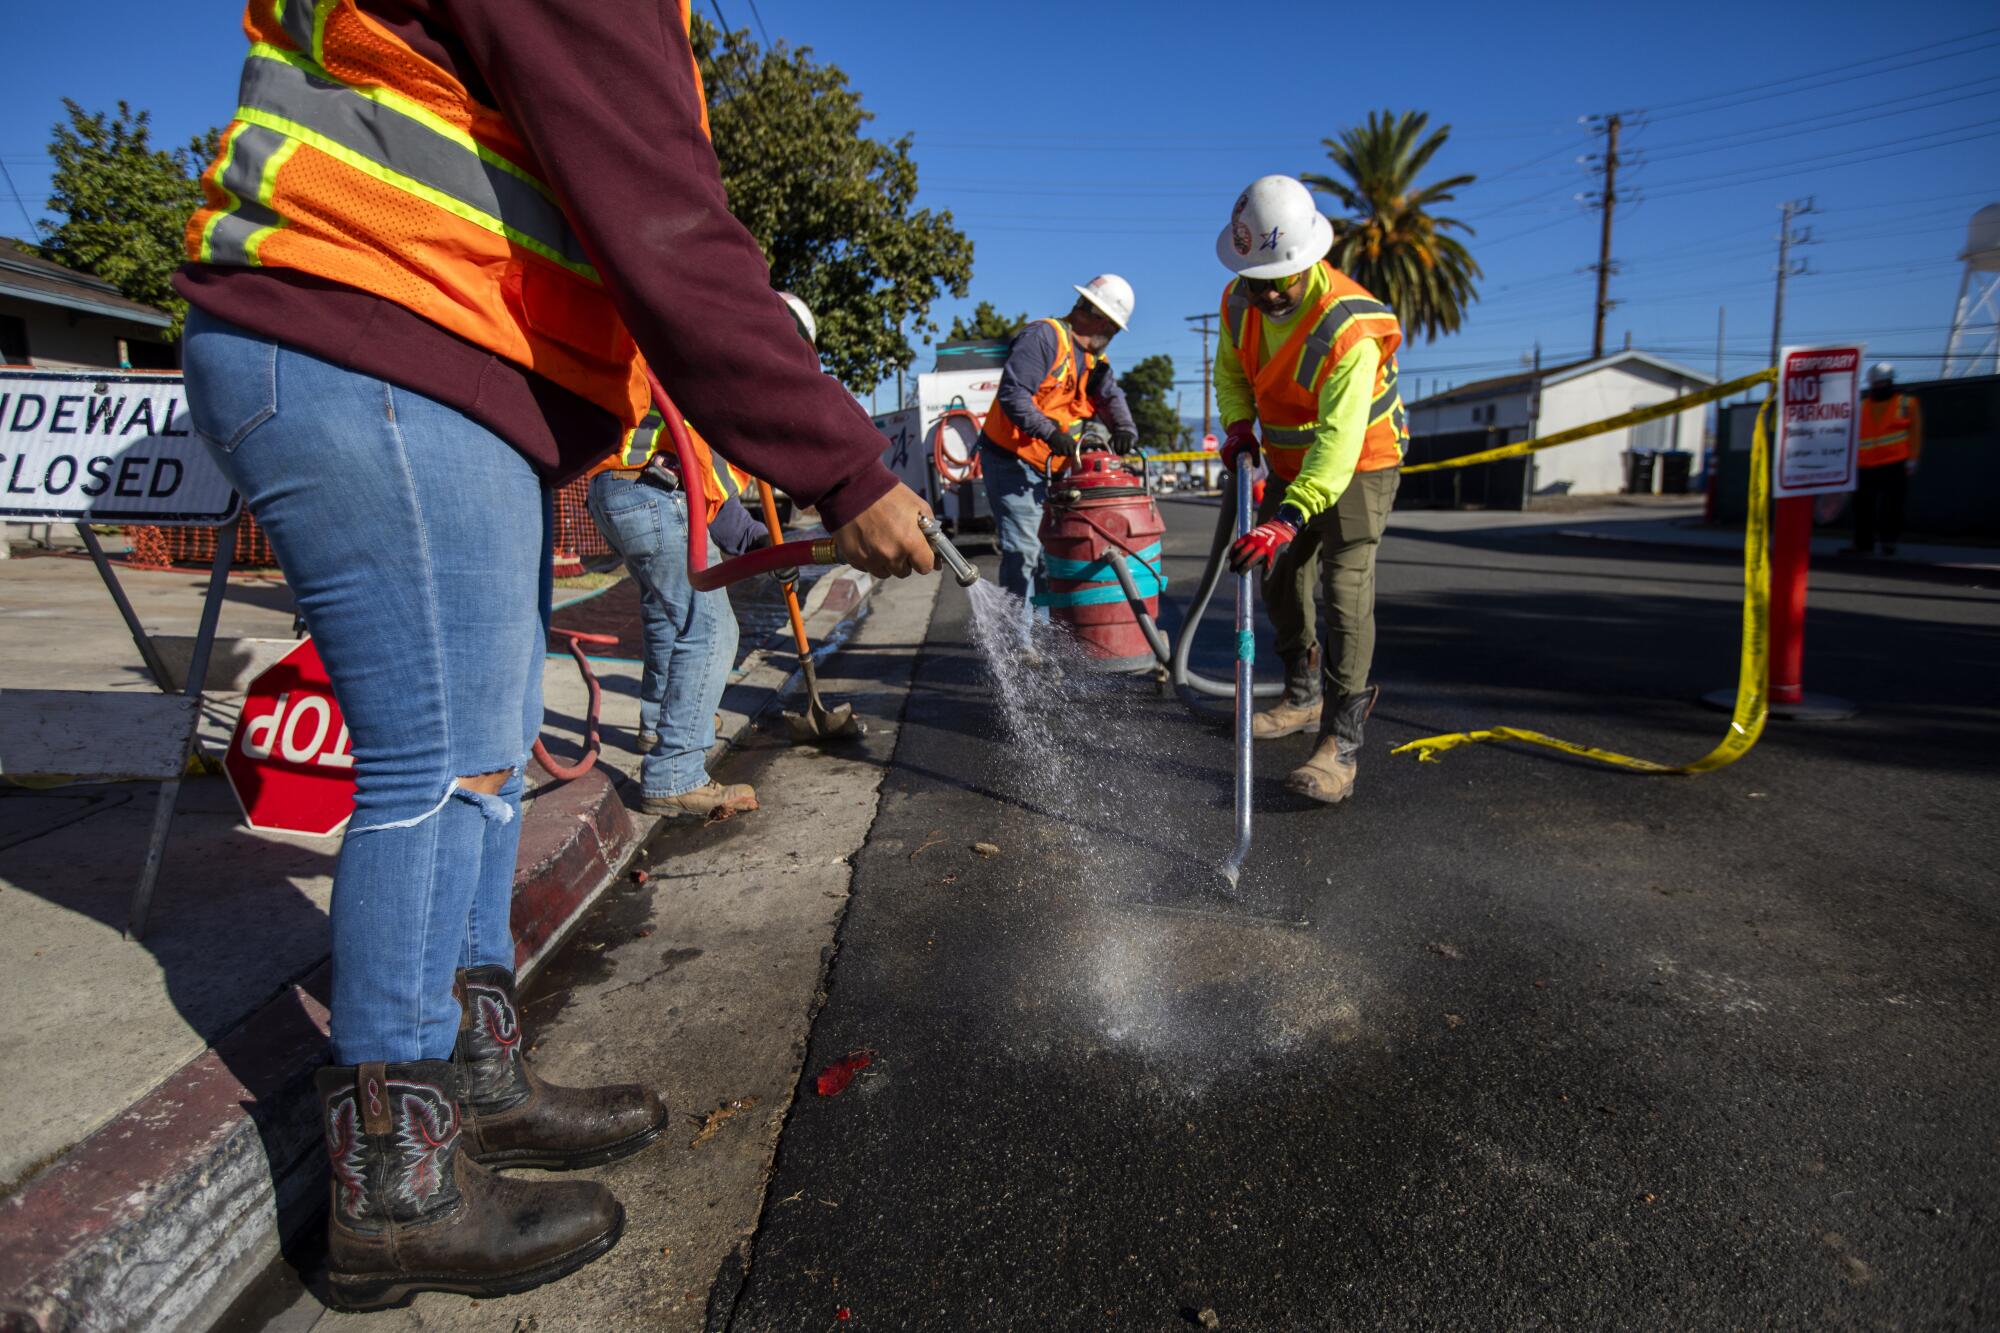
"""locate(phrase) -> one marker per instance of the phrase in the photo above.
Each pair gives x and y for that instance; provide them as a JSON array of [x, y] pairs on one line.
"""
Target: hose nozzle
[[961, 568]]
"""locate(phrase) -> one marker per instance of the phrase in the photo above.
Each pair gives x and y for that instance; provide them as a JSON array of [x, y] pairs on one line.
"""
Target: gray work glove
[[1124, 442]]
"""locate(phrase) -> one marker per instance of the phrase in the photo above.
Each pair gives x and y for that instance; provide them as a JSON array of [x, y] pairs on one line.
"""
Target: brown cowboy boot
[[512, 1118], [1329, 775], [411, 1212], [1299, 710]]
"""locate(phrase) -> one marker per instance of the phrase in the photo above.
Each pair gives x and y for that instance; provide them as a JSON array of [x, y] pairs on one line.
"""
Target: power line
[[761, 29], [34, 227], [1812, 125], [1764, 88], [1799, 166]]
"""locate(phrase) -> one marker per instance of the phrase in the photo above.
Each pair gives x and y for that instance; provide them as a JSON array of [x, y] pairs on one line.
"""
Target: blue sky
[[1069, 140]]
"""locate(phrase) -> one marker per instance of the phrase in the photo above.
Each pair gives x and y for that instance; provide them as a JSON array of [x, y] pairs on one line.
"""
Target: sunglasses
[[1269, 286]]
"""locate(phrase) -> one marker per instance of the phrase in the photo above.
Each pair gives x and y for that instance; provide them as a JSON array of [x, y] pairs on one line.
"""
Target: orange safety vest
[[1287, 383], [356, 159], [1887, 428], [722, 481], [1064, 395]]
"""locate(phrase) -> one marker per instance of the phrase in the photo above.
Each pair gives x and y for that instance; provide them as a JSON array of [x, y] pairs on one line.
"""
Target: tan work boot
[[704, 801], [1291, 716], [1286, 719], [1329, 775]]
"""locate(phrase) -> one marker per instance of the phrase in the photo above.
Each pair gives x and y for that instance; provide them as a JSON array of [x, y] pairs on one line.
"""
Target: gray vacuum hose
[[1184, 679]]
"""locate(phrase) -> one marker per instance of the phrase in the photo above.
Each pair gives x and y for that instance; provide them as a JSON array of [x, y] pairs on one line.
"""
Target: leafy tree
[[123, 203], [1392, 245], [831, 208], [987, 323], [1147, 386]]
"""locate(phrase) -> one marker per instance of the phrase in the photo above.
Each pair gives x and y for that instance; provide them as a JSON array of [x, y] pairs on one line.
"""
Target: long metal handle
[[1246, 685]]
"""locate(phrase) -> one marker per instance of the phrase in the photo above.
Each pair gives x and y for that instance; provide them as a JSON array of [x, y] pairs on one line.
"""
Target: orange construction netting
[[576, 537]]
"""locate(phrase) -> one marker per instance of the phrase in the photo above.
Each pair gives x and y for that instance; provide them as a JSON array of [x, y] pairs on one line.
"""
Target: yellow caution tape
[[1574, 434], [1746, 723], [1193, 456]]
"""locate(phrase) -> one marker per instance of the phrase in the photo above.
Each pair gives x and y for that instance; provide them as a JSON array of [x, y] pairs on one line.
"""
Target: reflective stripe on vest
[[399, 143], [357, 159], [1890, 444]]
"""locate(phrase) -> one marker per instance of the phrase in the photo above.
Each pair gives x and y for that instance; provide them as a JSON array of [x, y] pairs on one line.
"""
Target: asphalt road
[[1559, 1047]]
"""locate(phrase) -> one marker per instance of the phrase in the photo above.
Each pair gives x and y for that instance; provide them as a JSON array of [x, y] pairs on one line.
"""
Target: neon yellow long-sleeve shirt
[[1344, 400]]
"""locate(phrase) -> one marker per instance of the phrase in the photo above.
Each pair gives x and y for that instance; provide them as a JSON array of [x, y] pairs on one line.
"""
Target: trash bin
[[1676, 467], [1639, 471]]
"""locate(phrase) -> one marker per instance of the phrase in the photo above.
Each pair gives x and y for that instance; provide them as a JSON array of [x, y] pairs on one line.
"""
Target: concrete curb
[[165, 1215]]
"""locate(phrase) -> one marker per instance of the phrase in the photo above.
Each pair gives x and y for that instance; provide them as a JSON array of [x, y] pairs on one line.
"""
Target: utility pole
[[1608, 204], [1787, 266], [1202, 326], [1721, 322]]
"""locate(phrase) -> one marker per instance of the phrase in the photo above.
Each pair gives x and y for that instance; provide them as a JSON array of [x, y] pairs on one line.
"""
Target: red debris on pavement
[[843, 1313], [835, 1077]]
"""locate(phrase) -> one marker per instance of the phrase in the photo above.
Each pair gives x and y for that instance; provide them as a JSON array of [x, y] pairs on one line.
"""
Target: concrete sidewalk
[[154, 1135]]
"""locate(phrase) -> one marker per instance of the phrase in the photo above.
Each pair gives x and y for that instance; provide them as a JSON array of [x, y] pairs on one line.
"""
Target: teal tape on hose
[[1246, 645]]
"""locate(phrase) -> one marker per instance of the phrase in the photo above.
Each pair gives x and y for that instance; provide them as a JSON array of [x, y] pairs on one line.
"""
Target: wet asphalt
[[1559, 1046]]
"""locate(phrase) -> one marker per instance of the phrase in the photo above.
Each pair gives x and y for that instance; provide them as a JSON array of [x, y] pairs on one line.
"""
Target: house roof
[[1500, 386], [27, 276]]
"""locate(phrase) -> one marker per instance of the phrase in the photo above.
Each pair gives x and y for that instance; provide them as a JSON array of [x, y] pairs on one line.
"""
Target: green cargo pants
[[1336, 550]]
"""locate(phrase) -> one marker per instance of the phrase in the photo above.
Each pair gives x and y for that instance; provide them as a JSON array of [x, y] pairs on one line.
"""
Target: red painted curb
[[142, 1224]]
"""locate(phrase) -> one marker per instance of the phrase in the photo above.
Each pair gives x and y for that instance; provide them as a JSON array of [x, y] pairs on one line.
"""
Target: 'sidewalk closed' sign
[[104, 447]]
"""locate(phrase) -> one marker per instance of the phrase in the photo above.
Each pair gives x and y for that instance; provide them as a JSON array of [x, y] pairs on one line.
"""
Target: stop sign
[[1210, 443], [289, 761]]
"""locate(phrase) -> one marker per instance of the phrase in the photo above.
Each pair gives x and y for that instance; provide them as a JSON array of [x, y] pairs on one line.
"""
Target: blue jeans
[[1016, 493], [690, 636], [416, 543]]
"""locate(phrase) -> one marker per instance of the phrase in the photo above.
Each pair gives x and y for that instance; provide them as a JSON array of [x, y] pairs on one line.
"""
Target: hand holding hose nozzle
[[947, 554]]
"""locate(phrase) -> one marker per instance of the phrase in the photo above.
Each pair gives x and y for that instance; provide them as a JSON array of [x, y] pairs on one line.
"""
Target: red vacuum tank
[[1095, 508]]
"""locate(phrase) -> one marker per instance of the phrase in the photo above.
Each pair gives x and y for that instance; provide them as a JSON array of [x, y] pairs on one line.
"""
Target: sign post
[[1818, 408], [113, 447]]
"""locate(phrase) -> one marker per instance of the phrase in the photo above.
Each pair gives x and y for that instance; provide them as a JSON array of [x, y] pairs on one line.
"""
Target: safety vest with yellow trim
[[1287, 382], [1886, 428], [1064, 395], [721, 482], [354, 158]]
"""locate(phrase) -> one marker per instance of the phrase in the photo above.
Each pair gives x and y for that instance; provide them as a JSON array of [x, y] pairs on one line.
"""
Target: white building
[[54, 318], [1517, 407]]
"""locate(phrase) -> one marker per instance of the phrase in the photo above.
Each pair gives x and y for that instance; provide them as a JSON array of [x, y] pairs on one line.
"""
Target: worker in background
[[1055, 379], [639, 500], [1310, 357], [434, 261], [1892, 439]]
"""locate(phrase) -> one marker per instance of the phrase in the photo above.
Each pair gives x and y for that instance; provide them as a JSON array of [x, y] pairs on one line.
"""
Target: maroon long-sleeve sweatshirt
[[604, 93]]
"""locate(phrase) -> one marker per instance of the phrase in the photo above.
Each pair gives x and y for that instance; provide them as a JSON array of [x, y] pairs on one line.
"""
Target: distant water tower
[[1974, 345]]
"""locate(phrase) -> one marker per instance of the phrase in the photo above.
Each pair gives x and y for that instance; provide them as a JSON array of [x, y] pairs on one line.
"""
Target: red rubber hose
[[788, 556], [592, 743], [955, 473]]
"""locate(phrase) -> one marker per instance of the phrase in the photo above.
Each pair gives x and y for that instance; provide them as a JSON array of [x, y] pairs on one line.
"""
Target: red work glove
[[1240, 436], [1263, 544]]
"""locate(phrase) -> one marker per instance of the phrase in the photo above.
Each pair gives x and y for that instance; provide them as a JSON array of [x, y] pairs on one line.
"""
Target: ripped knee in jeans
[[480, 791]]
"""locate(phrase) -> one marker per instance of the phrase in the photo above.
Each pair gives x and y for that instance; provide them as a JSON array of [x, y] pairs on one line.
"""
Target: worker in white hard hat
[[1892, 439], [1308, 361], [1056, 378]]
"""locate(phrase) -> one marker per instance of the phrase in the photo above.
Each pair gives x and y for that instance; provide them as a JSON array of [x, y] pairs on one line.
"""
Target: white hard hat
[[1881, 373], [1111, 294], [804, 315], [1275, 230]]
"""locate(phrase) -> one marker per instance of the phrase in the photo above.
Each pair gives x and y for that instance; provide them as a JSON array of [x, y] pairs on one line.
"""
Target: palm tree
[[1390, 244]]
